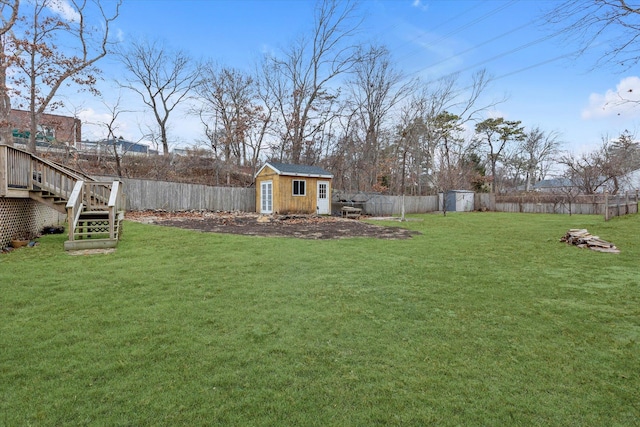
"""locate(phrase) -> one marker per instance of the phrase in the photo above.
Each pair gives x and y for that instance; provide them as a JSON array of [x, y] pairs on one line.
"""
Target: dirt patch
[[92, 252], [251, 224]]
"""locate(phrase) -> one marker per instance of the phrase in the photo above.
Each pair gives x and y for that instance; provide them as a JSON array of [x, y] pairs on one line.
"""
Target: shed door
[[266, 197], [323, 203]]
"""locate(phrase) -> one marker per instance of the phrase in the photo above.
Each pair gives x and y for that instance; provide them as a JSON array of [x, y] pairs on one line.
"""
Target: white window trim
[[293, 187]]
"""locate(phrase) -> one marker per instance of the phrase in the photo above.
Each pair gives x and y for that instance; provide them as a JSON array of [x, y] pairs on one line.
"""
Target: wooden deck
[[94, 209]]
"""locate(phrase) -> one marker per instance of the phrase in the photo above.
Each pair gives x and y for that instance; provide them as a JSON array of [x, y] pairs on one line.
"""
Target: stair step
[[92, 227], [93, 215], [90, 244], [103, 234]]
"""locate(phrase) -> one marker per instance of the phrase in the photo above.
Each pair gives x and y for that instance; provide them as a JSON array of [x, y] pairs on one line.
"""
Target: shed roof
[[555, 183], [297, 170]]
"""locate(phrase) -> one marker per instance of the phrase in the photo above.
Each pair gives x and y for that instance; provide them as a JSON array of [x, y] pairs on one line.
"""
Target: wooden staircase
[[94, 209]]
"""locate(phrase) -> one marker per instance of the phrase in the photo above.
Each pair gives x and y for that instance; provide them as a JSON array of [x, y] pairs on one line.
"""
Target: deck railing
[[90, 204], [15, 169]]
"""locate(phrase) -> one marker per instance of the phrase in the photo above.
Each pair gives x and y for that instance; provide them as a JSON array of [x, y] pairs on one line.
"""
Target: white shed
[[456, 201]]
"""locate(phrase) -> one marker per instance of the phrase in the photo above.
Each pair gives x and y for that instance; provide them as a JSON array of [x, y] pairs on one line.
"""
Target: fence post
[[618, 204], [522, 209], [626, 202], [606, 206]]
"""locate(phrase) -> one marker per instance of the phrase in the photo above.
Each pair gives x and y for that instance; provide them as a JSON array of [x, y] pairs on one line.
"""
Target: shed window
[[299, 187]]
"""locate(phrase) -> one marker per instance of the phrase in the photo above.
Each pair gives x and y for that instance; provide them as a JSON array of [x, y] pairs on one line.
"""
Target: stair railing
[[97, 195], [75, 206], [115, 205], [88, 196], [25, 171]]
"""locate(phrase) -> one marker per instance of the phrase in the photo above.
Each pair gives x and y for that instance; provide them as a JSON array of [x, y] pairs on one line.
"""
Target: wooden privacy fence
[[619, 205], [144, 194], [594, 204], [383, 205]]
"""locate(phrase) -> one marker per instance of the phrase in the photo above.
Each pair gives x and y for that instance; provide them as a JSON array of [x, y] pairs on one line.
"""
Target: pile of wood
[[583, 239]]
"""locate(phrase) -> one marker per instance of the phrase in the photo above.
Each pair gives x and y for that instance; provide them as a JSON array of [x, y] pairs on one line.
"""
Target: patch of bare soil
[[252, 224], [92, 252]]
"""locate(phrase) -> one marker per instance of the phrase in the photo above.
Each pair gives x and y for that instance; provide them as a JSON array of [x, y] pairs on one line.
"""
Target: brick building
[[52, 127]]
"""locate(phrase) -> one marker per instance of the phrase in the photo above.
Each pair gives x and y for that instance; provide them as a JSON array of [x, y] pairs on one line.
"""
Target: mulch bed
[[253, 224]]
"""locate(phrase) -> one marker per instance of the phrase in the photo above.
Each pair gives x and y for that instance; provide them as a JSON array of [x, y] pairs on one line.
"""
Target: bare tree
[[611, 25], [343, 160], [236, 111], [585, 171], [450, 173], [55, 47], [416, 130], [376, 89], [606, 167], [162, 77], [229, 110], [265, 118], [302, 77], [538, 149], [9, 15], [111, 125], [621, 157], [567, 192], [422, 122]]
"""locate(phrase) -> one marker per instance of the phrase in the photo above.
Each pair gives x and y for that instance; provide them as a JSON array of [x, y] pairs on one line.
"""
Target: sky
[[542, 85]]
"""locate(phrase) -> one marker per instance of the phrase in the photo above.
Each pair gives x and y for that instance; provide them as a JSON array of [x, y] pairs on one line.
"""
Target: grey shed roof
[[554, 183], [297, 170]]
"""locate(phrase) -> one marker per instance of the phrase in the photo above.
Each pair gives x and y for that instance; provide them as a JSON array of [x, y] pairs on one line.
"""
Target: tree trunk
[[6, 136], [493, 172], [117, 158], [33, 130], [165, 142]]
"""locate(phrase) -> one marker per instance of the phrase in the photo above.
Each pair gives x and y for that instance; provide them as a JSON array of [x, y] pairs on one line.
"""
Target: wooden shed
[[285, 188]]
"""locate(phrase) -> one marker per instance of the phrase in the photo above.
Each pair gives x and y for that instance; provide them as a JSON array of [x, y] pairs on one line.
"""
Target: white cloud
[[496, 114], [94, 128], [624, 100], [90, 116], [419, 5], [64, 9], [433, 54], [267, 49]]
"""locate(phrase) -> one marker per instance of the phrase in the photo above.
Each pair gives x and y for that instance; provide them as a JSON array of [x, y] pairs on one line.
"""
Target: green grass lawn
[[483, 319]]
